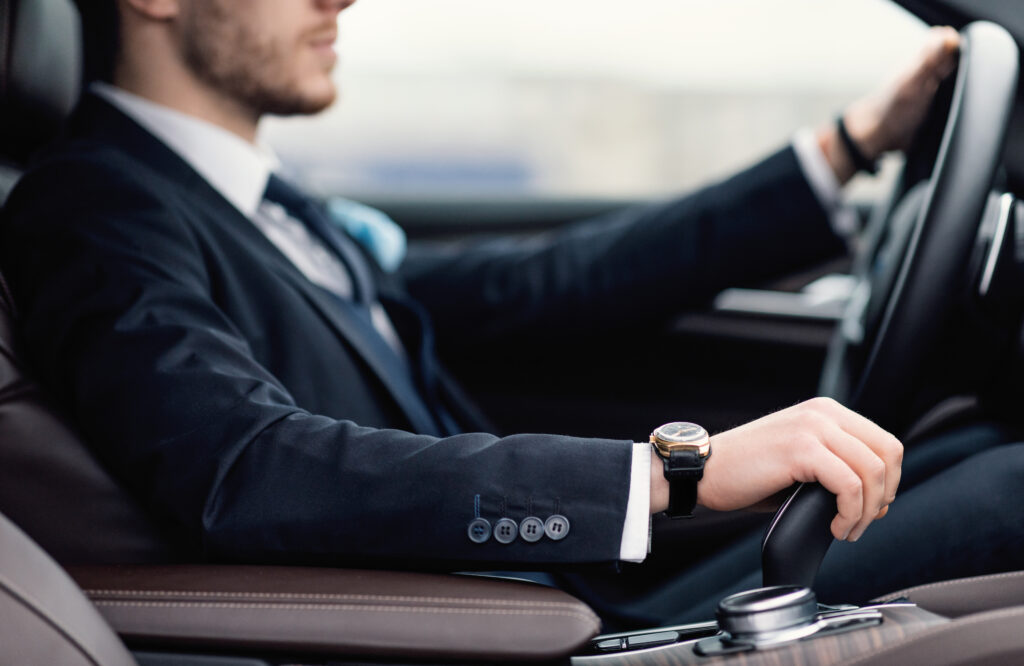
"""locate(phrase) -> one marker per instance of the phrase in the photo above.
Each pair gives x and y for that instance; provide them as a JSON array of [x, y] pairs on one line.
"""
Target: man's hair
[[101, 38]]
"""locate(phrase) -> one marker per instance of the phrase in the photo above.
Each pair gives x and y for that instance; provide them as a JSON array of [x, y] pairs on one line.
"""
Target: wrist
[[706, 486], [866, 132], [682, 448], [659, 485], [832, 148]]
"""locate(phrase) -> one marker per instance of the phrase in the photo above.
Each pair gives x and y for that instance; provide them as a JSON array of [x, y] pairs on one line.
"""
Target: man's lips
[[323, 46], [324, 39], [323, 35], [324, 42]]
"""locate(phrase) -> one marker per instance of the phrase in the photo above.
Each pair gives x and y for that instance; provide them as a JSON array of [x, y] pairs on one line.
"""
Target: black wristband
[[860, 161], [683, 469]]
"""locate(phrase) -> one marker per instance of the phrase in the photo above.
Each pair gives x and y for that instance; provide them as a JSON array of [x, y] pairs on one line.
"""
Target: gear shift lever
[[785, 609], [798, 537]]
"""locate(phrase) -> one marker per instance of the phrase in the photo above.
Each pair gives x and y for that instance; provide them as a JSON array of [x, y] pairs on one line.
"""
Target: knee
[[993, 477]]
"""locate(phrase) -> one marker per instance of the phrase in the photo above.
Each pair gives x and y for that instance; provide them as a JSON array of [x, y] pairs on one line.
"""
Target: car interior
[[89, 576]]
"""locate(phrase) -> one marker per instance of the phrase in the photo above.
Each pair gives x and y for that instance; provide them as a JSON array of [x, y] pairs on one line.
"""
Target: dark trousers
[[959, 512]]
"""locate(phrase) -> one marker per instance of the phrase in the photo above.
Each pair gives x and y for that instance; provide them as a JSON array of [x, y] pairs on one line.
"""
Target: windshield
[[572, 98]]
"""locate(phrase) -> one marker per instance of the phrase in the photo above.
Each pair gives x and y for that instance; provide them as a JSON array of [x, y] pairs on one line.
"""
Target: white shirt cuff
[[637, 528], [823, 182]]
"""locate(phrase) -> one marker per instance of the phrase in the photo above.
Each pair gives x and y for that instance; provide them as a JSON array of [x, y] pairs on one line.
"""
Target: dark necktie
[[390, 368], [309, 212]]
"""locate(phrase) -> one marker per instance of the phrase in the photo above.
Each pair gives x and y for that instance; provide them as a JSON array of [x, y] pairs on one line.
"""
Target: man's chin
[[301, 104]]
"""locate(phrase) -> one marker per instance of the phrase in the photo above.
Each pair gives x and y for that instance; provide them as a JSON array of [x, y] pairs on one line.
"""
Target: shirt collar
[[237, 169]]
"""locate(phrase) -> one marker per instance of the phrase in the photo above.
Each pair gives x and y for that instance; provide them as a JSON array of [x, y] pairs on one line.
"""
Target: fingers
[[884, 445], [870, 470], [888, 119], [881, 442], [940, 50], [871, 455], [936, 61], [942, 41], [831, 471]]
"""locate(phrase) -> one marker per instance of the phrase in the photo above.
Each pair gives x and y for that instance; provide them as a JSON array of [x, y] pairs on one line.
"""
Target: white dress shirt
[[239, 171]]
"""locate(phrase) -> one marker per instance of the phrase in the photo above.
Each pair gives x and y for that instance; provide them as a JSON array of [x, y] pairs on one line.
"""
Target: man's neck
[[194, 98]]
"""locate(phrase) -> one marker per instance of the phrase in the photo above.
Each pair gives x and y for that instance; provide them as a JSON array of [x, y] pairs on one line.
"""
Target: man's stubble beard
[[232, 59]]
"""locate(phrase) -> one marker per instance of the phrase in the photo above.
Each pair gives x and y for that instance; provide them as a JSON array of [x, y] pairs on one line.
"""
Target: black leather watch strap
[[861, 162], [683, 469]]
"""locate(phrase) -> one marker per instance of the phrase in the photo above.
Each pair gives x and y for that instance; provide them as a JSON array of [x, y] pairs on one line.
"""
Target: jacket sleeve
[[639, 265], [116, 304]]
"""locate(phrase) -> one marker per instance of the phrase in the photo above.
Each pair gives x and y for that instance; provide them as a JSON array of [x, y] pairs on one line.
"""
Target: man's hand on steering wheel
[[888, 118]]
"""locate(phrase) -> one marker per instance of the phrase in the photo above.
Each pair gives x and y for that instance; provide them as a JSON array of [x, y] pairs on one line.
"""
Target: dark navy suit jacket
[[227, 391]]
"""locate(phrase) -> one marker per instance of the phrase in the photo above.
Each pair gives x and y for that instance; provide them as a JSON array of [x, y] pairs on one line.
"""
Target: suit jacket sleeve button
[[505, 530], [479, 530], [556, 527], [531, 529]]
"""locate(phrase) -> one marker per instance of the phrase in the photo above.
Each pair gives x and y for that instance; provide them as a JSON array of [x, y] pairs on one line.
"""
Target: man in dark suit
[[249, 371]]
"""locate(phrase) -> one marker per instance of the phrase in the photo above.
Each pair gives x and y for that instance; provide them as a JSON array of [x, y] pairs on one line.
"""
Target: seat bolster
[[964, 596], [980, 639], [44, 618], [294, 610]]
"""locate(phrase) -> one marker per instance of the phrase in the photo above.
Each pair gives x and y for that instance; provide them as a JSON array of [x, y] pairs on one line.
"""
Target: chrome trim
[[998, 238]]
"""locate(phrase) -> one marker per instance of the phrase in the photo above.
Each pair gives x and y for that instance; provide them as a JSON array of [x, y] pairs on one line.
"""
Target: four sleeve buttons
[[530, 529]]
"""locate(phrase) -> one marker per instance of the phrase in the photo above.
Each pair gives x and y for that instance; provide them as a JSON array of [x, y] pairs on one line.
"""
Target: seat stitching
[[340, 597], [950, 583], [586, 618]]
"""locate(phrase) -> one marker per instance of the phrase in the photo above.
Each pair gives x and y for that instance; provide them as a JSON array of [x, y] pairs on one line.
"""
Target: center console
[[782, 622]]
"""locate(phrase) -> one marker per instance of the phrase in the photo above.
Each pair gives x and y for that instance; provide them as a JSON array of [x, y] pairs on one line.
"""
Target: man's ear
[[158, 10]]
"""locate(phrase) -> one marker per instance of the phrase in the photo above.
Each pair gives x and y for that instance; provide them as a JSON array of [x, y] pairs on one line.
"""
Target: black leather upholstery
[[40, 71]]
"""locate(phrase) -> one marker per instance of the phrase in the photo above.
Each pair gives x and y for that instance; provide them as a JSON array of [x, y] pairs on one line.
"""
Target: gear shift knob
[[798, 538]]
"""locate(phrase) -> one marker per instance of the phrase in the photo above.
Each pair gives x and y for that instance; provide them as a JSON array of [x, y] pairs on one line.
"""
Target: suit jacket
[[233, 396]]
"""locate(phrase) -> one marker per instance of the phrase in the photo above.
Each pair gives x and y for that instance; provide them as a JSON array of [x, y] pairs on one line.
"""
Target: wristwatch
[[683, 448]]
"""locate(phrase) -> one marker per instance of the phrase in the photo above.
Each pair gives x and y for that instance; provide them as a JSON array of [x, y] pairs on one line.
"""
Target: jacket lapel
[[95, 117]]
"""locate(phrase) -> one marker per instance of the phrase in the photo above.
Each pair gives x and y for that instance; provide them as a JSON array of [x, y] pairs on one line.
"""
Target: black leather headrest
[[40, 72]]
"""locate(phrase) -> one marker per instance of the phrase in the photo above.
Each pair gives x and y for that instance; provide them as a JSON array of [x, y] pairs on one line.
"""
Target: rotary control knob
[[768, 617], [767, 613]]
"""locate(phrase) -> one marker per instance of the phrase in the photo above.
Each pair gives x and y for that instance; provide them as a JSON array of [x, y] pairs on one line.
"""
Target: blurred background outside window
[[582, 98]]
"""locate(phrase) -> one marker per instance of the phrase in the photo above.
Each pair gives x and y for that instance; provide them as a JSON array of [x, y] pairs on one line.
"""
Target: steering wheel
[[918, 244]]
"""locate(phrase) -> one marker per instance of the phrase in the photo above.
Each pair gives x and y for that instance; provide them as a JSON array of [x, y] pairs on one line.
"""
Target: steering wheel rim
[[890, 325]]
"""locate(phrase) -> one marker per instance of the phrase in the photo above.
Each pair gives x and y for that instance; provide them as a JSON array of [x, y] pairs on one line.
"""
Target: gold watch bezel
[[699, 442]]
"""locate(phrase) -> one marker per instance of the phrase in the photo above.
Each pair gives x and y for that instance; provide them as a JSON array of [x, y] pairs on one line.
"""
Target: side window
[[572, 98]]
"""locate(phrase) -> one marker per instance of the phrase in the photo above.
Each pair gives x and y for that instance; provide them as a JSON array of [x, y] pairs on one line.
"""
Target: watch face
[[680, 432], [681, 435]]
